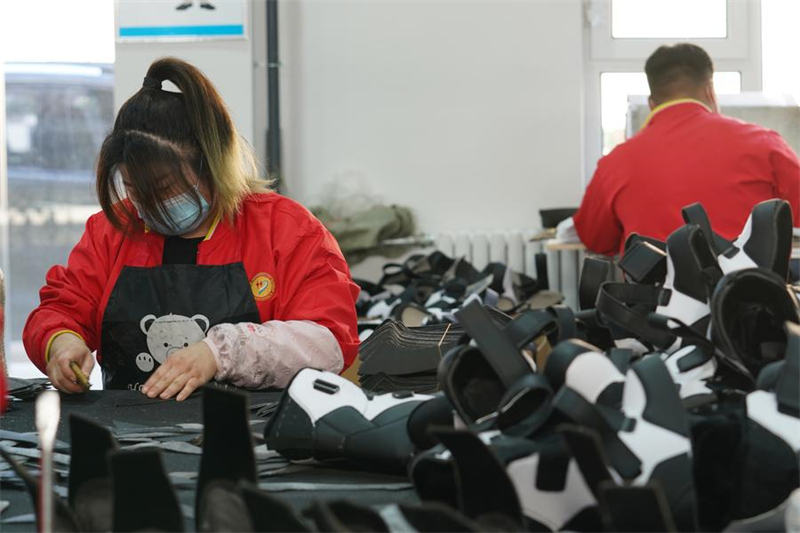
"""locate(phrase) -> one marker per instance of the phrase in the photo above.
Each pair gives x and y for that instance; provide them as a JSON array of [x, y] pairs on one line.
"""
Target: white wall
[[229, 64], [468, 112]]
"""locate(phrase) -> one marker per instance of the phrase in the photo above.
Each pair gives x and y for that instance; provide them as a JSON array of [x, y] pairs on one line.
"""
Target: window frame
[[740, 51]]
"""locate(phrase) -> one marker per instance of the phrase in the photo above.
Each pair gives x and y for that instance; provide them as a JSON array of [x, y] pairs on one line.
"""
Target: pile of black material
[[396, 357], [428, 289], [23, 389]]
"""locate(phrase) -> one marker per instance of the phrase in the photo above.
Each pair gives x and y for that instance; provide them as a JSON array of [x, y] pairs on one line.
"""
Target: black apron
[[153, 312]]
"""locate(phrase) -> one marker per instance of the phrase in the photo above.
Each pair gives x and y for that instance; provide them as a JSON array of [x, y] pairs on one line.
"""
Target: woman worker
[[194, 270]]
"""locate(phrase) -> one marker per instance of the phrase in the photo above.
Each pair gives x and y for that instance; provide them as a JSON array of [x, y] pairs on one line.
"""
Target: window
[[621, 35], [617, 87], [677, 19], [58, 103]]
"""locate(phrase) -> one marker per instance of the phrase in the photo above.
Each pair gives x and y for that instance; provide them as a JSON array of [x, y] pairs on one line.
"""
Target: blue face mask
[[183, 215]]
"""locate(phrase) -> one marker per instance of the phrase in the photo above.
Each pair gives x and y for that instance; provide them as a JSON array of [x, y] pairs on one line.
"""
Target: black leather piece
[[526, 406], [565, 320], [644, 263], [626, 306], [634, 509], [551, 474], [663, 404], [295, 426], [576, 408], [770, 243], [769, 376], [344, 516], [227, 449], [587, 449], [89, 476], [695, 214], [496, 347], [697, 357], [787, 390], [437, 412], [221, 508], [269, 514], [385, 447], [471, 384], [434, 479], [144, 499], [749, 308], [63, 519], [484, 488], [594, 273], [542, 276]]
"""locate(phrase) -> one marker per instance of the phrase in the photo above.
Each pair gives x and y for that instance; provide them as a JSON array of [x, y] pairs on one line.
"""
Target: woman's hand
[[182, 372], [65, 349]]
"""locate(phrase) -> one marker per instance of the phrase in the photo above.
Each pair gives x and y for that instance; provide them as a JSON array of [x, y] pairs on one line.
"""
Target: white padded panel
[[552, 509], [590, 374]]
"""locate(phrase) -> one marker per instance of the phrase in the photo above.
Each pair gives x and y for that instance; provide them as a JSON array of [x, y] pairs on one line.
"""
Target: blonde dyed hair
[[160, 133]]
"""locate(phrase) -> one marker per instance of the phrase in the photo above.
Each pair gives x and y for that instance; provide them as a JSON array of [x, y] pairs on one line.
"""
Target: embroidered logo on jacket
[[263, 286]]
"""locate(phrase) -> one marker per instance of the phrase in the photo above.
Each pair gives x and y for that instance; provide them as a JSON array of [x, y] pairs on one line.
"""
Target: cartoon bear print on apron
[[154, 312]]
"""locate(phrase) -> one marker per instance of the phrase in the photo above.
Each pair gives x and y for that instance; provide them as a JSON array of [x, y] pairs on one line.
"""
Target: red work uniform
[[685, 154], [291, 264]]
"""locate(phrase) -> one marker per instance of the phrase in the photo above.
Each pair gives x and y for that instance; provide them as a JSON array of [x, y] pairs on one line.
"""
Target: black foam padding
[[63, 520], [90, 443], [787, 390], [144, 499], [769, 376], [227, 442], [587, 449], [484, 488], [345, 516], [270, 514], [594, 273], [770, 243], [90, 495], [435, 412], [644, 263], [222, 509], [663, 405], [634, 509]]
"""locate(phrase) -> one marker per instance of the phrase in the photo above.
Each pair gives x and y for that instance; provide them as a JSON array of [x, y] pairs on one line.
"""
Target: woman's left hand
[[182, 372]]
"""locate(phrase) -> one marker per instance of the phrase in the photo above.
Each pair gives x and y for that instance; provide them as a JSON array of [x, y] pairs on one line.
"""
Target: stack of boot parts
[[396, 357], [429, 289]]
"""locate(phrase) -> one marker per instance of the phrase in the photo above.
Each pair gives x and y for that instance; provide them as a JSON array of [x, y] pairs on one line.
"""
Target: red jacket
[[271, 235], [685, 154]]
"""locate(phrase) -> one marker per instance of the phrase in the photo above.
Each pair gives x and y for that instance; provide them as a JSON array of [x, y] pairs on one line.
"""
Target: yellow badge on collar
[[263, 286]]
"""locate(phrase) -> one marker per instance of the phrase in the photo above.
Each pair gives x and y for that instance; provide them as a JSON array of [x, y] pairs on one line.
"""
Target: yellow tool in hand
[[83, 381]]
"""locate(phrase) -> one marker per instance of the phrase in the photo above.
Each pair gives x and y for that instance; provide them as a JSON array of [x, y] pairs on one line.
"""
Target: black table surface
[[113, 408]]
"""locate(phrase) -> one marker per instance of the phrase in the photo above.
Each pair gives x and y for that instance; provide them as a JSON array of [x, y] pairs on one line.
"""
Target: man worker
[[686, 152]]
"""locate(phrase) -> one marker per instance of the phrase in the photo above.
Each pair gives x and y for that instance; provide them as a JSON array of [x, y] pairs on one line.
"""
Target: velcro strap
[[644, 263], [529, 326], [696, 214], [496, 347], [593, 274], [613, 305]]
